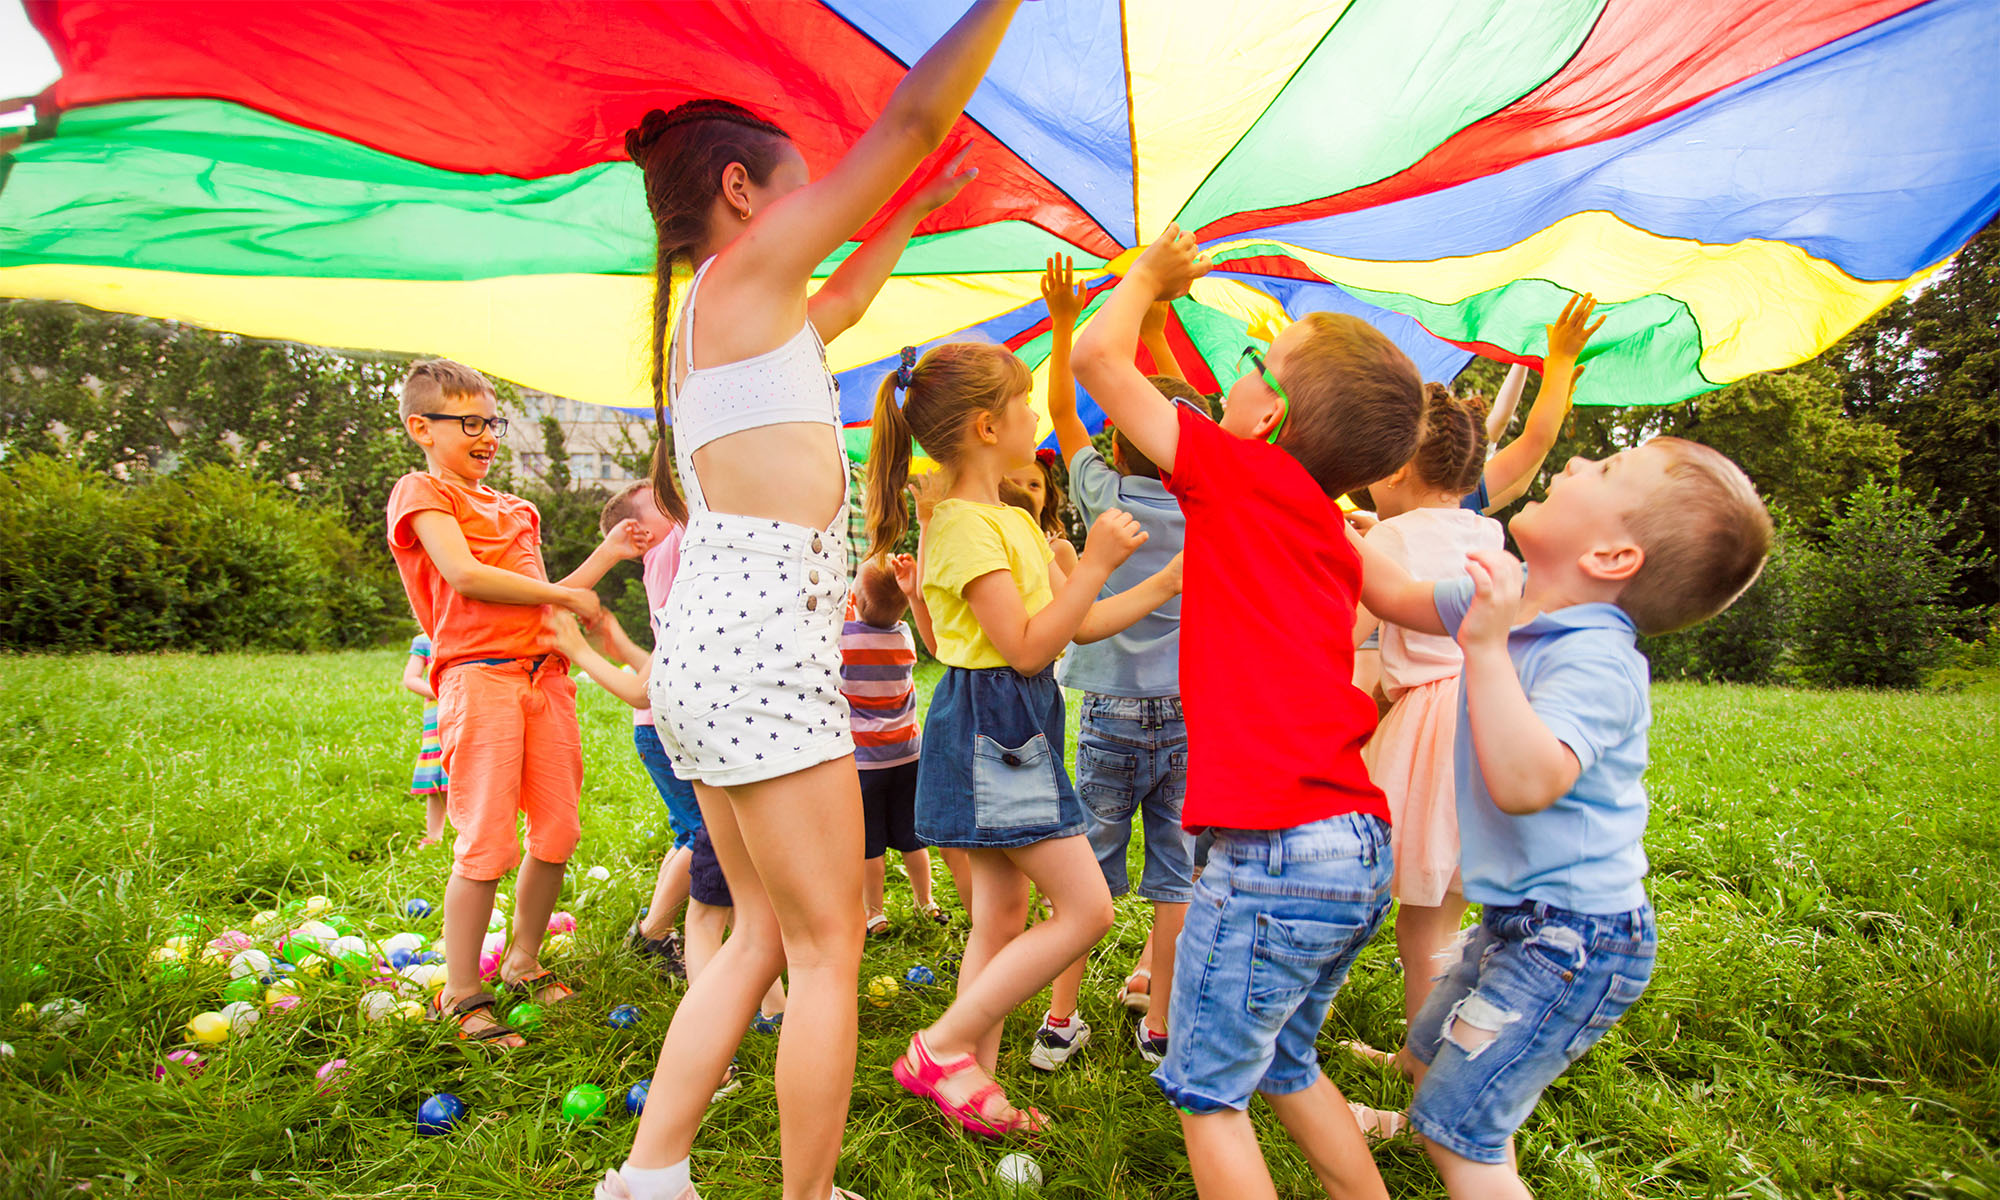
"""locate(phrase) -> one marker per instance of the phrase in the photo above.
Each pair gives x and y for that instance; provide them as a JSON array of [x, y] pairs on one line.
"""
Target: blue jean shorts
[[991, 776], [1278, 917], [1550, 983], [683, 812], [1131, 756]]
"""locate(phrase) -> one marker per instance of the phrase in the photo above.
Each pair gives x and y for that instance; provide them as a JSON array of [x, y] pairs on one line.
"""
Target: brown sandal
[[462, 1011], [526, 987]]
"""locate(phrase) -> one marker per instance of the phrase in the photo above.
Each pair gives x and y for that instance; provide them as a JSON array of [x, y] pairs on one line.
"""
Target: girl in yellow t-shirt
[[991, 780]]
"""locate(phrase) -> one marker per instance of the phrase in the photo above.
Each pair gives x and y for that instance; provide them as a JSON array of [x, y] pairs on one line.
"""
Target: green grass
[[1824, 1020]]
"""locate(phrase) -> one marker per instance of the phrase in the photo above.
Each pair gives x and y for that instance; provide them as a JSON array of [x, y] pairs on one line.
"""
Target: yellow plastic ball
[[882, 990], [209, 1028]]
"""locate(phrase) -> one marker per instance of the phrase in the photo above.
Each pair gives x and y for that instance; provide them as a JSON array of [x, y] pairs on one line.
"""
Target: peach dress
[[1410, 756]]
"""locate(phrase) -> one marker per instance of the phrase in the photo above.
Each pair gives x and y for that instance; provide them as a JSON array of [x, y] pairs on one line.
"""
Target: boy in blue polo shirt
[[1551, 751]]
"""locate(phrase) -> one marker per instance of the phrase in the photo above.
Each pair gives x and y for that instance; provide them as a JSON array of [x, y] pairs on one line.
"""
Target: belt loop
[[1275, 864]]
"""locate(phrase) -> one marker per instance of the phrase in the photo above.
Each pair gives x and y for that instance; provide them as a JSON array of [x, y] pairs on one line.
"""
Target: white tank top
[[790, 383]]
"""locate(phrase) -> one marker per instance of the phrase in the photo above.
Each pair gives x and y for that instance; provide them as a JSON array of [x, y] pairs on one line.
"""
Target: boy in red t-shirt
[[1298, 879], [471, 563]]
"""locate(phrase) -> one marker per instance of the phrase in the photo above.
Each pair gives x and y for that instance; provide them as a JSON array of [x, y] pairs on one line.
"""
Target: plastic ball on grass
[[185, 1063], [428, 957], [1018, 1173], [920, 976], [241, 1015], [597, 875], [314, 967], [496, 921], [409, 943], [489, 963], [208, 1029], [882, 990], [526, 1016], [558, 945], [282, 1004], [416, 908], [187, 924], [562, 922], [439, 1113], [316, 906], [249, 962], [264, 921], [400, 958], [584, 1102], [245, 988], [635, 1096], [164, 954], [63, 1015], [328, 1075], [6, 1050], [625, 1016], [428, 976], [377, 1007]]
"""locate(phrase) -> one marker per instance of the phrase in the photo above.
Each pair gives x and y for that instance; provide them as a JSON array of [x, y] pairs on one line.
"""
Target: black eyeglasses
[[472, 423]]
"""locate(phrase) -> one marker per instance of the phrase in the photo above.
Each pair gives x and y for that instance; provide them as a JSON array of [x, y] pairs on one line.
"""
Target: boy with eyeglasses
[[471, 562]]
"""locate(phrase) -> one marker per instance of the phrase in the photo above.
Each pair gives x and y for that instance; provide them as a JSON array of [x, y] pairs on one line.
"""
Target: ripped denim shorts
[[1535, 987], [991, 776]]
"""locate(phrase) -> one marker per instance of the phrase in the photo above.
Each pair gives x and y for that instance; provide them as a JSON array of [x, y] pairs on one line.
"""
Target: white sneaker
[[1152, 1046], [730, 1083], [615, 1187], [1054, 1047]]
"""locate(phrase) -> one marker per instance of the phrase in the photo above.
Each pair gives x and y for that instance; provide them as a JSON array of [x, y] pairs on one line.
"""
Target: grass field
[[1824, 1020]]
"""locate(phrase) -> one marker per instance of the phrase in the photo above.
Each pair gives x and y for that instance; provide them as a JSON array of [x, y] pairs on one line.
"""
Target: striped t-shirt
[[878, 677]]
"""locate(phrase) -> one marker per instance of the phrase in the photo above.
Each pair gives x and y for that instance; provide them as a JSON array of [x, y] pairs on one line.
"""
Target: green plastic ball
[[246, 987], [526, 1016], [187, 925], [585, 1102]]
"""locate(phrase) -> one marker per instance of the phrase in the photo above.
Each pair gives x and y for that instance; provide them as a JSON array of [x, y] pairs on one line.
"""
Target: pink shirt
[[656, 571], [1431, 544]]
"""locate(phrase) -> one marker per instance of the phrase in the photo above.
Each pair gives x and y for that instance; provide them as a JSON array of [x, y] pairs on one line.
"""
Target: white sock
[[656, 1183]]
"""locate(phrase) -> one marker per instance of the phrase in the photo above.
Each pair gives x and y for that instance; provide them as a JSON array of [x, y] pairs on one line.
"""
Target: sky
[[26, 66]]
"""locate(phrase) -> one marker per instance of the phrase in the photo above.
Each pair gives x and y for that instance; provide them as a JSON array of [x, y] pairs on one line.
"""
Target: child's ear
[[418, 429], [986, 428], [1614, 562]]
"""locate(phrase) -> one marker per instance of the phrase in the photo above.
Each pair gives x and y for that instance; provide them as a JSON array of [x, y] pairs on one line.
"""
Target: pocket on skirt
[[1014, 787]]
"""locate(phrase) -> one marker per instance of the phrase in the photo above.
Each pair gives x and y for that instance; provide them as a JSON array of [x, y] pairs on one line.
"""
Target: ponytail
[[889, 462]]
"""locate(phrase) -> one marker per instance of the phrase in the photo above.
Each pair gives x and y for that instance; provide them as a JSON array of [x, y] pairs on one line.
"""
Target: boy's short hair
[[1705, 534], [878, 598], [622, 506], [1357, 403], [432, 380], [1135, 460]]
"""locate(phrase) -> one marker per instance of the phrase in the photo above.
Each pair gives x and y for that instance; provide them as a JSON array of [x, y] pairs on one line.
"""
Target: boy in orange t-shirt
[[471, 563]]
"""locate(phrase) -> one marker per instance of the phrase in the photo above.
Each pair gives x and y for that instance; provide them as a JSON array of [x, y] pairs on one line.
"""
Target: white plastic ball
[[597, 874], [429, 976], [411, 942], [348, 947], [377, 1006], [494, 941], [6, 1050], [264, 921], [1018, 1172], [316, 905], [241, 1015], [496, 920], [249, 962], [63, 1015], [501, 902], [164, 954], [317, 931]]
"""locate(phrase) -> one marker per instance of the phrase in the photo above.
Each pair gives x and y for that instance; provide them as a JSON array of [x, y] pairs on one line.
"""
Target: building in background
[[601, 441]]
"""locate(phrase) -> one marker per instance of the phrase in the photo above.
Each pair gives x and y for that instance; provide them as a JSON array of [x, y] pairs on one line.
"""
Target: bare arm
[[1116, 614], [910, 578], [841, 301], [626, 540], [1526, 767], [1066, 300], [1391, 592], [1153, 336], [444, 541], [1501, 415], [415, 679], [628, 686], [1509, 472], [1103, 355], [1029, 643]]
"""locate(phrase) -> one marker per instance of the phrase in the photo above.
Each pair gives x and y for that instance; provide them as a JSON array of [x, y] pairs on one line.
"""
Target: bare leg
[[1320, 1122], [1068, 988], [1224, 1158], [1167, 922], [873, 872], [535, 891], [706, 923], [959, 864], [467, 905], [670, 891], [434, 815], [1423, 933], [997, 919], [1465, 1179], [917, 865]]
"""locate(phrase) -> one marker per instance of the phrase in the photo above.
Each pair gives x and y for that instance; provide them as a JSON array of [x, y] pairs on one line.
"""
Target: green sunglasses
[[1256, 361]]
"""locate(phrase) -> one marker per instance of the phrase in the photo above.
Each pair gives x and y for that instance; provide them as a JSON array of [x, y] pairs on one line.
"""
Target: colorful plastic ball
[[377, 1007], [249, 962], [501, 902], [428, 976], [178, 944], [526, 1016], [562, 922], [439, 1113], [232, 940], [341, 924], [347, 946], [400, 958], [159, 955], [597, 874], [489, 963], [625, 1016], [6, 1050], [241, 1015], [584, 1102], [763, 1024], [181, 1061], [408, 943], [920, 976], [188, 924], [882, 990], [635, 1096], [558, 945], [1018, 1173], [314, 966], [208, 1029], [316, 905], [328, 1075], [496, 921], [282, 1004], [63, 1015], [493, 941], [416, 908], [264, 921], [245, 988], [428, 956]]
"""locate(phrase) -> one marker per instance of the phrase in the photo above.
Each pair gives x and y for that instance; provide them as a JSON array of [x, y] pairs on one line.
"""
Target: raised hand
[[1573, 329], [943, 187], [1113, 537], [905, 568], [1065, 297], [1170, 265], [928, 489], [628, 539]]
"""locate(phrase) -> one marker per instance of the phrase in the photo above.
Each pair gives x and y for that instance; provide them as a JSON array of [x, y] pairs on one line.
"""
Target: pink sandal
[[922, 1081]]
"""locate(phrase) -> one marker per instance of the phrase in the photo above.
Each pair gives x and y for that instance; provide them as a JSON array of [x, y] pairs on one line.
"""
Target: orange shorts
[[510, 746]]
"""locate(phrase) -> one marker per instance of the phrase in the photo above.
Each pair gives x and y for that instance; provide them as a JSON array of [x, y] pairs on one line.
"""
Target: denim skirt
[[991, 776]]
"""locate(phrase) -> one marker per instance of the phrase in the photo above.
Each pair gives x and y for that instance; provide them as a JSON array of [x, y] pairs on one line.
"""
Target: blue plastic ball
[[920, 975], [400, 958], [280, 968], [625, 1016], [635, 1097], [417, 908], [439, 1113], [428, 956]]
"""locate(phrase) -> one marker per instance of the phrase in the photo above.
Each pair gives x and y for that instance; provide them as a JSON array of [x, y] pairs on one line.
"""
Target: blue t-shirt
[[1144, 660], [1587, 681], [1476, 500]]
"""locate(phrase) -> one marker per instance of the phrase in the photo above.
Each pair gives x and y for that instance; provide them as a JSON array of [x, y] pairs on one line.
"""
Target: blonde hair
[[947, 389], [1357, 403], [432, 381], [1705, 535]]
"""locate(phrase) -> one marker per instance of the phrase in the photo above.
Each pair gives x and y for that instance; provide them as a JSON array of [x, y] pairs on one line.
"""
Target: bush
[[1748, 642], [206, 560], [1872, 594]]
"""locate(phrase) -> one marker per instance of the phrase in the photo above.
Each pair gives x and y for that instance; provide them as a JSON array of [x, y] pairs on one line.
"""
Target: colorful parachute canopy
[[1738, 183]]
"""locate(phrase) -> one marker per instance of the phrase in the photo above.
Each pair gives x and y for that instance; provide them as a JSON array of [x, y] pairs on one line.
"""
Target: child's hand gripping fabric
[[1066, 300], [1103, 358], [1513, 466]]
